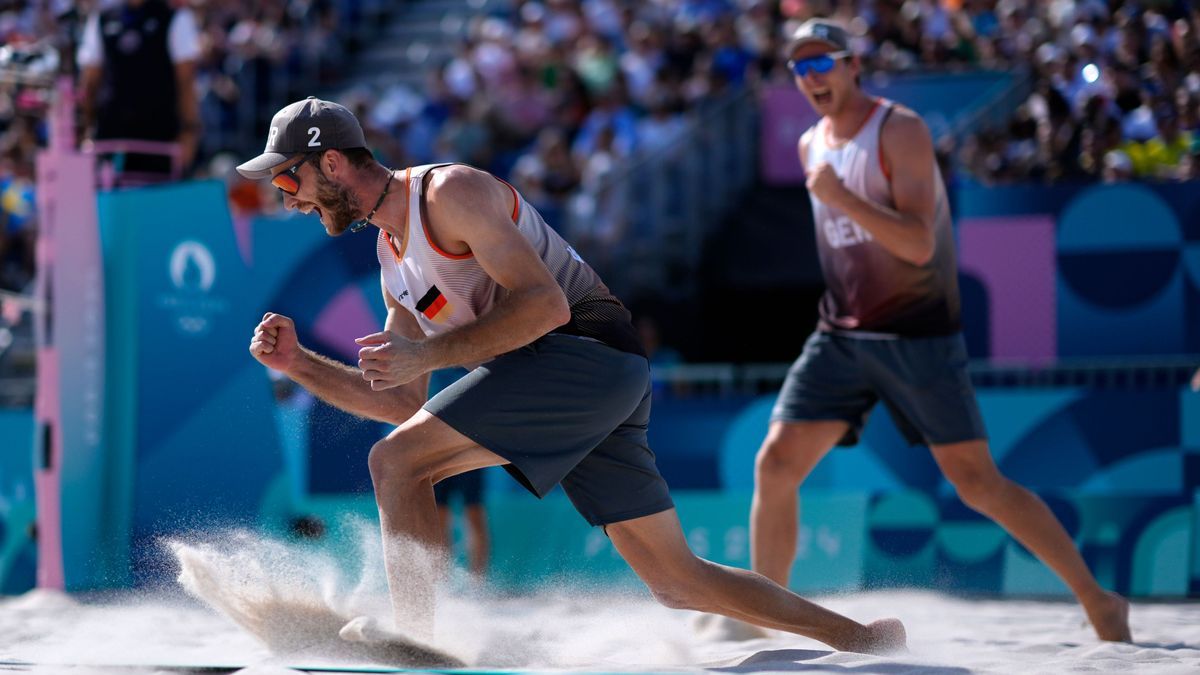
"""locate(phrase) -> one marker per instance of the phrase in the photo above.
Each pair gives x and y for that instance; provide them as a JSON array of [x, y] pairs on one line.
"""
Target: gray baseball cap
[[310, 125], [819, 30]]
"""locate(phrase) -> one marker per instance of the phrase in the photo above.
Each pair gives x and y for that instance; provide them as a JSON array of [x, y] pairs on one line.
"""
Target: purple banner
[[1014, 258], [786, 115], [70, 388]]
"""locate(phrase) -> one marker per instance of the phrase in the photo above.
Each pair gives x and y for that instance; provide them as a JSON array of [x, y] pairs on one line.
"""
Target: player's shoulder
[[457, 181], [905, 129], [903, 120]]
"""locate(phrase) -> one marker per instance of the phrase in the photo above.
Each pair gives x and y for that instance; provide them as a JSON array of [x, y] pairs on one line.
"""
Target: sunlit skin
[[469, 212], [905, 229], [336, 204], [834, 94]]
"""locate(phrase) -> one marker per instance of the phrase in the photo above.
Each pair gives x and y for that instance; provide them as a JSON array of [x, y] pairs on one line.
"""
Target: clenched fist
[[823, 184], [274, 343], [389, 360]]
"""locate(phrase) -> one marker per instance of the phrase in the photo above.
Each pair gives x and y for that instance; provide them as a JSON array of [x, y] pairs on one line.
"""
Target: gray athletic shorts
[[922, 381], [565, 410]]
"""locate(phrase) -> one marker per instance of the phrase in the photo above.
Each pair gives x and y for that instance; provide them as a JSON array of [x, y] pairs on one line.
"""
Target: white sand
[[622, 633], [575, 629]]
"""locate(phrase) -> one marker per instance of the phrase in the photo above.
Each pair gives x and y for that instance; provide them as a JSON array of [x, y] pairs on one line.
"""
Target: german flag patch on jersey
[[434, 306]]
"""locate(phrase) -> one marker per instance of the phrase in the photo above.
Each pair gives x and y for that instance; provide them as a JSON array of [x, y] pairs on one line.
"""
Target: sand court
[[246, 604]]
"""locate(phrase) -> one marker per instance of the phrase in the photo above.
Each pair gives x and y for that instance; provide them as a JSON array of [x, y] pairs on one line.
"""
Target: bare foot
[[362, 629], [1110, 617], [885, 636], [363, 638]]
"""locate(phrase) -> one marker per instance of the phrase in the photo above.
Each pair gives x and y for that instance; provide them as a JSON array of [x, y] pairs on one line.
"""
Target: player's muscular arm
[[907, 230], [275, 345], [470, 210]]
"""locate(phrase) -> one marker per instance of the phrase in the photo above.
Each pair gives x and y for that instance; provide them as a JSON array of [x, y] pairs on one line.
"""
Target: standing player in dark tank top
[[889, 327]]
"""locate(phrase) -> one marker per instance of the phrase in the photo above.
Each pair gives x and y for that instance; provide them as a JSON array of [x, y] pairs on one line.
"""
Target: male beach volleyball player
[[889, 326], [558, 389]]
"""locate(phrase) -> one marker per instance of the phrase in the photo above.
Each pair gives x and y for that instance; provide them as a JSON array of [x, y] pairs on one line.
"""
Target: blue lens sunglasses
[[817, 64]]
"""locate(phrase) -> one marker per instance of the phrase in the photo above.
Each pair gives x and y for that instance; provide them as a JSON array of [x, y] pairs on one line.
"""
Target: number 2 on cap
[[315, 133]]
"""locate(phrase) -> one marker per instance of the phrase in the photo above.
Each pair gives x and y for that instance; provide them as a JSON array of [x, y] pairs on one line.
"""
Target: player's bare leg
[[654, 546], [788, 454], [404, 467], [969, 466]]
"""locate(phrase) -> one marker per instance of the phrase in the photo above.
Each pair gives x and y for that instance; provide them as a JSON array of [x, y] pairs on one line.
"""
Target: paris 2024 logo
[[193, 273]]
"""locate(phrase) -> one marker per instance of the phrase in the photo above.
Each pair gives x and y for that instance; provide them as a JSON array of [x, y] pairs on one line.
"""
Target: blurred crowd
[[247, 57], [1116, 93], [22, 132], [255, 57], [557, 95], [1115, 84]]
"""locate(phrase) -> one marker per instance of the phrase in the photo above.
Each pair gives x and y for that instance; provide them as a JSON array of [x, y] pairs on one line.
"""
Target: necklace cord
[[358, 226]]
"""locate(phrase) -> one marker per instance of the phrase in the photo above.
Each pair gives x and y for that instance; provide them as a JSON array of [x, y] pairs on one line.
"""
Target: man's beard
[[338, 204]]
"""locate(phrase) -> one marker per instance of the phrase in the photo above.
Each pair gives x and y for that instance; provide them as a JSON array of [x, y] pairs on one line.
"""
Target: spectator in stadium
[[1159, 157], [1189, 166], [466, 488], [547, 175], [1129, 77], [18, 219], [138, 61], [1118, 167]]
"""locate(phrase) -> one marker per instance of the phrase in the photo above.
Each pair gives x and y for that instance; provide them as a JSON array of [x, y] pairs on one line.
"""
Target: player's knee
[[388, 463], [687, 585], [676, 595], [667, 597], [779, 465], [379, 462], [977, 488]]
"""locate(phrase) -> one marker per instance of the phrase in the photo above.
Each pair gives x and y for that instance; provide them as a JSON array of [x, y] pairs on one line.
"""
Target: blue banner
[[192, 414], [1080, 270]]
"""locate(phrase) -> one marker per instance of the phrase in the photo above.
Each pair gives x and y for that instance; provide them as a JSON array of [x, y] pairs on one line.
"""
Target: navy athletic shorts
[[567, 410], [923, 382]]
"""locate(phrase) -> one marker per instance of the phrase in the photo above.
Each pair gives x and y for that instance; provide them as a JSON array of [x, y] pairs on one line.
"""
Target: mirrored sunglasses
[[288, 181], [817, 64]]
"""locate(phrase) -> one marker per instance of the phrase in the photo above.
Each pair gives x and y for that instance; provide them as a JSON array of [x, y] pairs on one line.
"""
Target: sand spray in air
[[296, 598]]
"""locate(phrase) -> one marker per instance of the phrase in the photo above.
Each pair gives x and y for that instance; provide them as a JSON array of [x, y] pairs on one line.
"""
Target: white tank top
[[869, 290], [444, 291], [858, 163]]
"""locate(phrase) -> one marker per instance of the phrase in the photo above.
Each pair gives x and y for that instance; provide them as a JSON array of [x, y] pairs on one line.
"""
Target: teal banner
[[18, 547], [1139, 545], [190, 414]]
